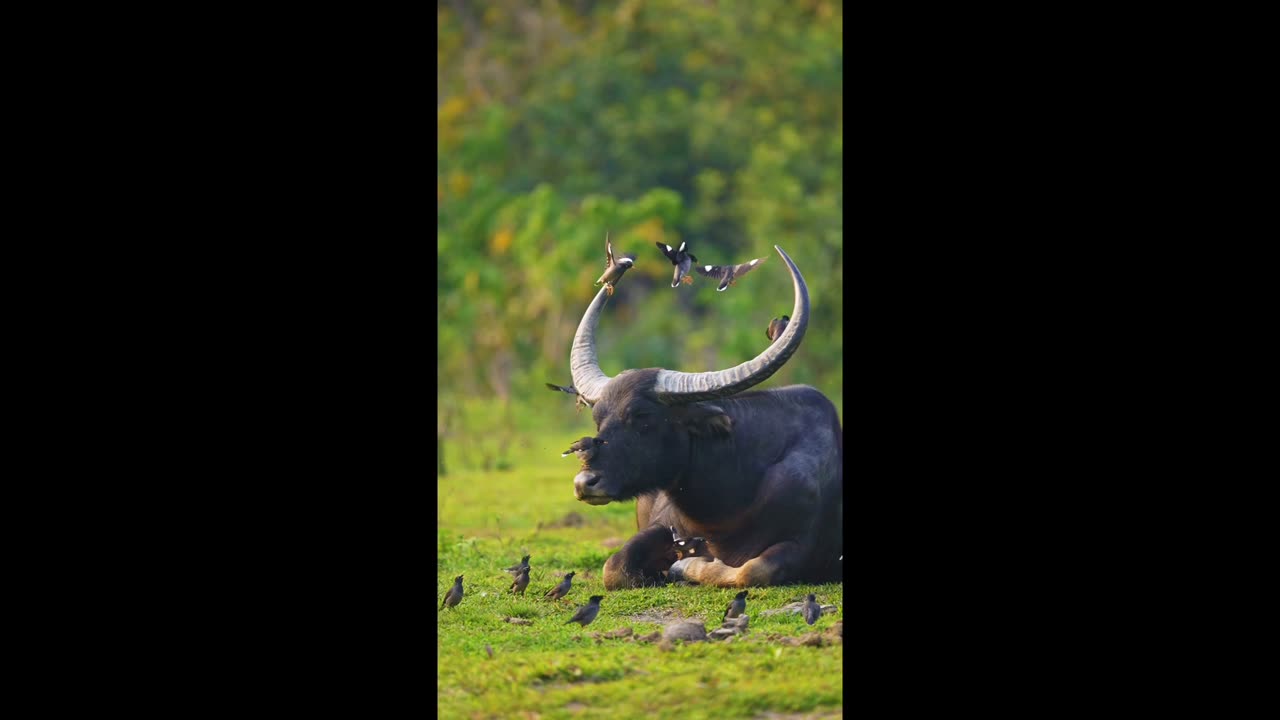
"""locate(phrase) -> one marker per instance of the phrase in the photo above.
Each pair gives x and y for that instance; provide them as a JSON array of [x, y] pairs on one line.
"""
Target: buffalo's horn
[[679, 387], [588, 378]]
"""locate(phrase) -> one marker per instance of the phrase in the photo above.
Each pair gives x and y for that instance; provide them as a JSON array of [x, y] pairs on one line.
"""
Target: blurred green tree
[[717, 123]]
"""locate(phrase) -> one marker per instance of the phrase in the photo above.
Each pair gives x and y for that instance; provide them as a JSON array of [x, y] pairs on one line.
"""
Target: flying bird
[[522, 565], [729, 274], [584, 448], [681, 259], [811, 610], [613, 269], [454, 596], [521, 582], [588, 612], [581, 401], [776, 327], [737, 607], [562, 589]]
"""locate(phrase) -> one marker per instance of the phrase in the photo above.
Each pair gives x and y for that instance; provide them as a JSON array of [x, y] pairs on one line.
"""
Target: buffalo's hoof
[[676, 573]]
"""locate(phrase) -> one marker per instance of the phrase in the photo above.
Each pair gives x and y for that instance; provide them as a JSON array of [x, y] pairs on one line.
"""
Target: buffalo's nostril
[[592, 480]]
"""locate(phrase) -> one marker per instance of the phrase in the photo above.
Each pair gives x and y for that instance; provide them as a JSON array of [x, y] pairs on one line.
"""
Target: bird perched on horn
[[613, 269]]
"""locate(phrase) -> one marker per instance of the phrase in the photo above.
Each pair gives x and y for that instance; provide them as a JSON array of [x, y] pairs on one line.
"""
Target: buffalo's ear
[[703, 419]]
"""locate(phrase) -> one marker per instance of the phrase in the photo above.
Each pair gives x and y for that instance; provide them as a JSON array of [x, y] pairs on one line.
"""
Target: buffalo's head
[[649, 417]]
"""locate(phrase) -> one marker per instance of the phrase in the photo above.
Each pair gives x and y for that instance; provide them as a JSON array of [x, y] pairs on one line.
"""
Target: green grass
[[488, 520]]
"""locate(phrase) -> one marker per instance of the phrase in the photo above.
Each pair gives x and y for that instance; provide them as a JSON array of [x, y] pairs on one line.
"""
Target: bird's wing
[[608, 248], [571, 389], [672, 255], [714, 271], [746, 267]]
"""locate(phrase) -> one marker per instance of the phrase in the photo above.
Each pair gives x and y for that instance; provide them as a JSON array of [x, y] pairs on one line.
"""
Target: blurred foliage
[[715, 123]]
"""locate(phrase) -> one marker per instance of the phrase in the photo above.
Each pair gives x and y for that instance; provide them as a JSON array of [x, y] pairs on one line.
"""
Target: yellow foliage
[[651, 230], [500, 241], [452, 109], [459, 183]]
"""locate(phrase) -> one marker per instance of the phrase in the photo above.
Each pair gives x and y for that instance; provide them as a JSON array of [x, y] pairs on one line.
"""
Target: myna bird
[[681, 259], [613, 269], [584, 448], [454, 596], [522, 565], [737, 607], [585, 614], [729, 274], [776, 327], [571, 390], [521, 582], [562, 589], [812, 611], [689, 547]]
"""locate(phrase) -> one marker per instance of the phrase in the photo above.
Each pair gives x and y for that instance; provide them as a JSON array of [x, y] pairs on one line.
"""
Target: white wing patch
[[753, 262], [681, 247], [708, 268], [669, 248]]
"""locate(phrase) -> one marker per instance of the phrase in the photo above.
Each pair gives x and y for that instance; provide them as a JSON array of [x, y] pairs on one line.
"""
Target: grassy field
[[488, 520]]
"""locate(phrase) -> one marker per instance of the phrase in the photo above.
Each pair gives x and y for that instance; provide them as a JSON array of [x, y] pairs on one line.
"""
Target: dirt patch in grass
[[571, 520], [566, 677], [823, 714], [661, 616]]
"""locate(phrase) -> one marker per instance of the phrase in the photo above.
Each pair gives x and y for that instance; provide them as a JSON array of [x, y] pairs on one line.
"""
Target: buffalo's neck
[[713, 487]]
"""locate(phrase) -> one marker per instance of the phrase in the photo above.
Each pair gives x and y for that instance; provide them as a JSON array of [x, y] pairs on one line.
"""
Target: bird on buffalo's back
[[729, 274], [737, 607], [454, 596], [581, 402], [776, 327], [584, 448], [613, 269], [811, 610], [681, 259], [585, 614], [521, 581], [559, 591]]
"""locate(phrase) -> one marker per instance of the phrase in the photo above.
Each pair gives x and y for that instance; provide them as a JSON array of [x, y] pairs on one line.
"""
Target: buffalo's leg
[[641, 561], [773, 566]]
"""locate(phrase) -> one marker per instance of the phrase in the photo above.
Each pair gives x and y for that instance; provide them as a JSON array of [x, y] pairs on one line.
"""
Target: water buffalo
[[759, 474]]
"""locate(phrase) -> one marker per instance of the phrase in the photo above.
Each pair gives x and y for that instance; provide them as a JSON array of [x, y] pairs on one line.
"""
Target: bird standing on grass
[[729, 274], [811, 610], [613, 269], [737, 607], [562, 589], [588, 612], [521, 582], [454, 596], [522, 565]]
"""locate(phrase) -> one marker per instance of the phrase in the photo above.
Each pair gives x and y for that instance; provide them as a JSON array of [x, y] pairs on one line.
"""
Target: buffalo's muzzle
[[588, 488]]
